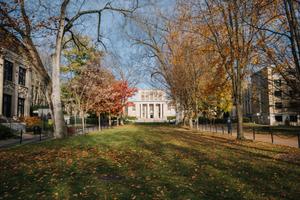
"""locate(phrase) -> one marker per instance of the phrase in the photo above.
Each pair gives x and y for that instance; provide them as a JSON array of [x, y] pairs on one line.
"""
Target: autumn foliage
[[32, 121], [95, 90]]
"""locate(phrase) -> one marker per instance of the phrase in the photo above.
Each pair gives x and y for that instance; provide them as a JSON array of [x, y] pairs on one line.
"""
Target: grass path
[[149, 162]]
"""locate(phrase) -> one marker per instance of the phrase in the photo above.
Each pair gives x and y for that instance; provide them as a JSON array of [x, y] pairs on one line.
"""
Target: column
[[1, 83], [154, 111], [141, 111], [147, 113], [28, 95], [15, 93], [150, 110], [162, 111]]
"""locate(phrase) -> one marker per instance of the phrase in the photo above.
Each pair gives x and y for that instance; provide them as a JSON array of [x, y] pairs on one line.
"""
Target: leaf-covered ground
[[149, 162]]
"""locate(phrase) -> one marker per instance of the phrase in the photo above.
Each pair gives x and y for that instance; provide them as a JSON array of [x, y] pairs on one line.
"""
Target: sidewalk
[[287, 140], [30, 138], [26, 139]]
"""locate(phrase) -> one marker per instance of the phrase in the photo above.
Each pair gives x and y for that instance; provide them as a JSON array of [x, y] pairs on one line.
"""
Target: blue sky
[[123, 55], [114, 29]]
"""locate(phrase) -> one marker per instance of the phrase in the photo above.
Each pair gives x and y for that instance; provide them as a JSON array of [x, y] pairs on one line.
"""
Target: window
[[22, 76], [278, 118], [6, 108], [277, 93], [278, 105], [8, 70], [21, 106], [293, 118], [277, 83], [294, 105]]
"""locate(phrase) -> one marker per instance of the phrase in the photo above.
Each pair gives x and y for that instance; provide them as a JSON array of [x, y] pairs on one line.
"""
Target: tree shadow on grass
[[172, 165], [254, 177]]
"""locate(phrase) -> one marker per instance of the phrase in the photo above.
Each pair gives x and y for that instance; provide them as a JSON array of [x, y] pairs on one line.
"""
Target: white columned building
[[150, 105]]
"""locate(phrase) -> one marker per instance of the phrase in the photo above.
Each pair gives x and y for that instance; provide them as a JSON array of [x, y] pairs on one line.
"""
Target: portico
[[150, 106], [150, 110]]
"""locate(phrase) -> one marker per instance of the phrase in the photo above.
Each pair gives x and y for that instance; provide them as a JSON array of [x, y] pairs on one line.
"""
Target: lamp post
[[258, 117]]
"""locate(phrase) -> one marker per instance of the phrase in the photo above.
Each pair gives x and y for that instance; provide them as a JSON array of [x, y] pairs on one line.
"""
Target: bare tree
[[16, 18]]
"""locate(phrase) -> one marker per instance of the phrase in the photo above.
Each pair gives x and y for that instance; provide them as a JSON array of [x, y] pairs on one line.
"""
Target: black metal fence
[[266, 135]]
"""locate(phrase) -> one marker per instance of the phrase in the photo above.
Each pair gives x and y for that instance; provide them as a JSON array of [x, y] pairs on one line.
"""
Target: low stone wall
[[16, 126]]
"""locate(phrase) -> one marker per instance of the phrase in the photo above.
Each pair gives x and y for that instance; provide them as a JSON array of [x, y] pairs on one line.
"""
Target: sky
[[116, 30], [124, 55]]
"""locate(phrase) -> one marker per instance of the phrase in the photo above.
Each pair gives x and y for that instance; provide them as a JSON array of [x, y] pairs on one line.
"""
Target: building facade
[[150, 105], [271, 102], [21, 85]]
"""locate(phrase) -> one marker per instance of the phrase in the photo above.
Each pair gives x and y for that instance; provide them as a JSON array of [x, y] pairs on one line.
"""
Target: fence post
[[272, 137], [21, 136], [253, 131], [299, 140], [40, 135]]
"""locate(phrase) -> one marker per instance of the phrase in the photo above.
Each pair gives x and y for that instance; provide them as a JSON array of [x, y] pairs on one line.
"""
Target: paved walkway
[[26, 139], [287, 140], [30, 138]]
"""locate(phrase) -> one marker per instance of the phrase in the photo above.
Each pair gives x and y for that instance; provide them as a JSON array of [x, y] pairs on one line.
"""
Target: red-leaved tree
[[122, 93]]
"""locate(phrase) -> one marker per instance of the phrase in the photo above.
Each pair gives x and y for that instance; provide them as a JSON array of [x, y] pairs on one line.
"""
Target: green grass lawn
[[149, 162]]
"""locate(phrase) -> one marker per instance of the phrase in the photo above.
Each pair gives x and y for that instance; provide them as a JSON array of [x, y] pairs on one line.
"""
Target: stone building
[[21, 85], [271, 101], [150, 105]]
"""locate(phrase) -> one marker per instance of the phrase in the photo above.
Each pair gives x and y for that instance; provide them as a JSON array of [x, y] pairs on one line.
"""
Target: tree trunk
[[75, 120], [239, 114], [109, 120], [121, 120], [82, 122], [118, 120], [48, 98], [60, 126], [239, 106], [197, 122], [99, 122], [191, 122], [184, 120]]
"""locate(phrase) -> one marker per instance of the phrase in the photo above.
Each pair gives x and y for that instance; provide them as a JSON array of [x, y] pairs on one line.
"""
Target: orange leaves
[[84, 154], [69, 161], [122, 92], [32, 121]]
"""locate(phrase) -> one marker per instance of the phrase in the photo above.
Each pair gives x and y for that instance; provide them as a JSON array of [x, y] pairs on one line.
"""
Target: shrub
[[32, 121], [169, 118], [88, 120], [130, 118], [6, 132], [246, 120], [204, 120]]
